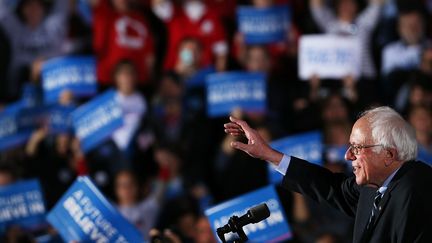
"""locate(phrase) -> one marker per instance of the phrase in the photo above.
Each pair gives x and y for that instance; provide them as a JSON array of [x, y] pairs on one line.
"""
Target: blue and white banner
[[263, 25], [76, 74], [97, 119], [307, 146], [273, 229], [329, 56], [83, 214], [10, 133], [22, 204], [230, 90]]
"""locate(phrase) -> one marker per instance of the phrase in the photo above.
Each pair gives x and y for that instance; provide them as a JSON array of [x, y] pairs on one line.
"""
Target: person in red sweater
[[121, 33], [197, 21]]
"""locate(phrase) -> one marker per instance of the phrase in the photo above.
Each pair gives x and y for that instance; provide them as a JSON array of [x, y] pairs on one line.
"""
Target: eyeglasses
[[355, 149]]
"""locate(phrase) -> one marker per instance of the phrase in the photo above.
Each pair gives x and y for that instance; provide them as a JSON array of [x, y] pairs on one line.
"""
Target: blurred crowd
[[170, 161]]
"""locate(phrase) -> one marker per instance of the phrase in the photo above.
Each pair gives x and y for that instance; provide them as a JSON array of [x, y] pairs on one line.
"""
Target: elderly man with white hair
[[390, 195]]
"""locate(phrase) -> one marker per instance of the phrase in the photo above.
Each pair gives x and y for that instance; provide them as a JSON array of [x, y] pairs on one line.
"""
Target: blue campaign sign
[[83, 214], [273, 229], [263, 25], [22, 204], [307, 146], [230, 90], [76, 74], [10, 133], [97, 119]]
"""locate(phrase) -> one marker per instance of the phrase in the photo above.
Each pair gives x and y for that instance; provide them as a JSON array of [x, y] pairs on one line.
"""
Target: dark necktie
[[375, 210]]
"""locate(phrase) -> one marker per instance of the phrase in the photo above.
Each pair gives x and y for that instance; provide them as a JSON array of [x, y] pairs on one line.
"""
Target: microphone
[[235, 224]]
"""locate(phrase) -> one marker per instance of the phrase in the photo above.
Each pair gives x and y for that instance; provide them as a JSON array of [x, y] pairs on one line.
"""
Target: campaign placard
[[83, 214], [273, 229], [10, 133], [230, 90], [329, 56], [22, 204], [76, 74], [97, 119], [307, 146], [263, 25]]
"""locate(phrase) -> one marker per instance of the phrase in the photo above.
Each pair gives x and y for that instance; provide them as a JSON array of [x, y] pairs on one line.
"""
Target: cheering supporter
[[35, 32], [404, 55], [349, 22], [56, 168], [196, 20], [282, 53], [137, 204], [120, 32], [406, 52], [132, 103]]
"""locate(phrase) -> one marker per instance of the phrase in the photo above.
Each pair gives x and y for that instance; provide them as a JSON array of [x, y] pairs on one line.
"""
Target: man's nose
[[349, 155]]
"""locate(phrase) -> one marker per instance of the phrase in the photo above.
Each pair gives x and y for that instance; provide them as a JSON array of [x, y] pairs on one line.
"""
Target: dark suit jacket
[[406, 207]]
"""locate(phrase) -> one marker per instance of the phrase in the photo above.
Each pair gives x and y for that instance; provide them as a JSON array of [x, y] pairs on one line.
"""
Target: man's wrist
[[274, 157]]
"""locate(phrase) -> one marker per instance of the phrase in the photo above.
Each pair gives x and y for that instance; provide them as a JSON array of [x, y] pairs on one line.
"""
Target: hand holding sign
[[256, 146]]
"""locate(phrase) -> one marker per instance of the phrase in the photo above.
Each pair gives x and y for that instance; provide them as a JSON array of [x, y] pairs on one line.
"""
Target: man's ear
[[391, 154]]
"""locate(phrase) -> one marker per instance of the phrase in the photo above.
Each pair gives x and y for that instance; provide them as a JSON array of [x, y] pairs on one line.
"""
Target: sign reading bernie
[[75, 74], [274, 228], [83, 214], [329, 56], [230, 90]]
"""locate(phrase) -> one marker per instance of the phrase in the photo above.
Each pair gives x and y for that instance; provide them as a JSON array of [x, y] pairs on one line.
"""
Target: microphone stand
[[234, 226]]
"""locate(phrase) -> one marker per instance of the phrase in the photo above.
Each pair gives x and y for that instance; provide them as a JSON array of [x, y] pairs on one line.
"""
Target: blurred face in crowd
[[347, 10], [186, 224], [33, 12], [262, 3], [411, 27], [335, 110], [121, 5], [126, 188], [420, 96], [125, 79], [170, 88], [6, 178], [168, 160], [337, 134], [421, 119], [371, 165], [257, 59], [204, 232], [189, 54], [426, 63]]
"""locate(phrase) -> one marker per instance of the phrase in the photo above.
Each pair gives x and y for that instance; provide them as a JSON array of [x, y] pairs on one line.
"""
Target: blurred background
[[170, 160]]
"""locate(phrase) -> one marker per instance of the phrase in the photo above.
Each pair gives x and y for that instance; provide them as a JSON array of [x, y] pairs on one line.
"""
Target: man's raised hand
[[256, 146]]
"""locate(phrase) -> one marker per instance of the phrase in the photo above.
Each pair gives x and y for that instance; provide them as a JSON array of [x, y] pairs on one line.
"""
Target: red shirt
[[208, 30], [120, 36]]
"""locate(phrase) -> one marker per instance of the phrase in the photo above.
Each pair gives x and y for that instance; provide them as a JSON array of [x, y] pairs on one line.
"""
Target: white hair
[[391, 131]]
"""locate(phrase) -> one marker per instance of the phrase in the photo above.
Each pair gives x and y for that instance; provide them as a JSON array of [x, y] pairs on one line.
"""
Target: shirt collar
[[384, 186]]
